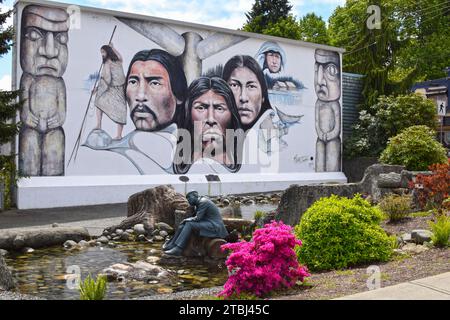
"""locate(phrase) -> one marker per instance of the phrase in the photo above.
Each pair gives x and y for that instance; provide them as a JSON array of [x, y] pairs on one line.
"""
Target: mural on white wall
[[173, 100], [43, 59]]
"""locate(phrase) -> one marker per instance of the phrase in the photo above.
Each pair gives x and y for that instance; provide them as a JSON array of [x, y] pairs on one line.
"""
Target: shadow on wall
[[354, 169]]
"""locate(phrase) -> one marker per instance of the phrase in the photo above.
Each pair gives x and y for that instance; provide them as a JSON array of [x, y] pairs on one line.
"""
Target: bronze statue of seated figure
[[207, 222]]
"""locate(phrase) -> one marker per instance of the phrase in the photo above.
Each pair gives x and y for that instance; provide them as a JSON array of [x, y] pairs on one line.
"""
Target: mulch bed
[[401, 268], [335, 284], [338, 283], [406, 225]]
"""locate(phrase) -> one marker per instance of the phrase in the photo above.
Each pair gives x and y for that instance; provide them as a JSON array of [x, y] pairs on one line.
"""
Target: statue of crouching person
[[207, 222]]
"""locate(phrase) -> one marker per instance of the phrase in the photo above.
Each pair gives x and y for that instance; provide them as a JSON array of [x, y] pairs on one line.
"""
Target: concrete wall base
[[68, 191]]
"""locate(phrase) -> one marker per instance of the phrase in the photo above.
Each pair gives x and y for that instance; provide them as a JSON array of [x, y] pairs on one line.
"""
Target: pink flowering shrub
[[268, 262]]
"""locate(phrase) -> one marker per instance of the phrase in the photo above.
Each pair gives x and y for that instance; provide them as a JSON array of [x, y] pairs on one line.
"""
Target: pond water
[[248, 211], [44, 272]]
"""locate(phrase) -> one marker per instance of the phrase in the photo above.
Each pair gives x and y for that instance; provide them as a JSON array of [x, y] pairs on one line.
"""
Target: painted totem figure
[[43, 58], [327, 83]]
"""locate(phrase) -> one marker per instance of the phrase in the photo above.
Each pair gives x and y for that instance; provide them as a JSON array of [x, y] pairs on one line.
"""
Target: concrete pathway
[[94, 218], [431, 288]]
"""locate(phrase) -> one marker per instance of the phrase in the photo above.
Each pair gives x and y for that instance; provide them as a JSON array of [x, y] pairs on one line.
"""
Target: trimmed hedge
[[338, 232]]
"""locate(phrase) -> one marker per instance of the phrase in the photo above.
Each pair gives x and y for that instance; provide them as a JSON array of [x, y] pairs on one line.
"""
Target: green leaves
[[415, 148], [441, 231], [385, 119], [338, 232], [91, 289], [409, 47]]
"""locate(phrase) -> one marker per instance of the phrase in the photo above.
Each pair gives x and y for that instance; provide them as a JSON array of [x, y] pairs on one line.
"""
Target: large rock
[[6, 278], [139, 271], [39, 238], [420, 236], [298, 198], [414, 248], [390, 180], [204, 247]]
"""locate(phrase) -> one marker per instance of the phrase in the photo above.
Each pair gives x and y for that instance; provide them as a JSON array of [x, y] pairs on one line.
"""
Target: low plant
[[396, 207], [416, 148], [91, 289], [433, 189], [441, 231], [338, 232], [265, 264]]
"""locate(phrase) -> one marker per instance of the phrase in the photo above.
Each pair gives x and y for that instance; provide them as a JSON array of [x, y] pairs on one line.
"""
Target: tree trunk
[[152, 206]]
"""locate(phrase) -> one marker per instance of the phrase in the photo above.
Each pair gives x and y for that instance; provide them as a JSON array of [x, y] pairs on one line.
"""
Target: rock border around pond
[[19, 239]]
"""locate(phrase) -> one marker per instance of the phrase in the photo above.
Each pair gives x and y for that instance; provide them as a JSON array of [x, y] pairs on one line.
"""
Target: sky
[[228, 14]]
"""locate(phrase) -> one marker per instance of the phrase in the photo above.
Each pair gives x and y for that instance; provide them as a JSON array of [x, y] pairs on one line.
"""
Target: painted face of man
[[213, 116], [273, 60], [149, 95], [44, 42], [247, 92]]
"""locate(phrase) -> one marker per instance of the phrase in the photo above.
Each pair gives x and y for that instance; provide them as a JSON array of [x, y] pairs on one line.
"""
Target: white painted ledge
[[68, 191]]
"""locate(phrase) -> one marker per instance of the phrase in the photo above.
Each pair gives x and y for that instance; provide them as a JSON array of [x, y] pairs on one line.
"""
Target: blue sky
[[224, 13]]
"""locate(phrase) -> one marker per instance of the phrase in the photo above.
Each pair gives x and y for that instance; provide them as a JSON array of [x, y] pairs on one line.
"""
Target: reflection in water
[[43, 272]]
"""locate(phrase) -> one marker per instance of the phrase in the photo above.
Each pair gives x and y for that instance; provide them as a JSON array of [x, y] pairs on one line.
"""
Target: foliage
[[8, 111], [259, 215], [409, 46], [91, 289], [396, 207], [338, 232], [415, 148], [433, 189], [313, 29], [265, 13], [441, 231], [387, 118], [265, 264], [285, 28], [8, 178]]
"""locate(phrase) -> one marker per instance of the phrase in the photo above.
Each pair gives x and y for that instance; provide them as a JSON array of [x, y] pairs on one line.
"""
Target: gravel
[[185, 295], [9, 295]]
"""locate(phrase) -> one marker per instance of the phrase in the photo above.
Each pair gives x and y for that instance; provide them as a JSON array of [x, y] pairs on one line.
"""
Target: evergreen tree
[[313, 29], [265, 13], [8, 110]]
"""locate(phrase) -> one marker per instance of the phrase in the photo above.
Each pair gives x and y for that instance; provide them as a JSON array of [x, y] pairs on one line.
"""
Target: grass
[[421, 214], [441, 231], [91, 289], [395, 207], [345, 272]]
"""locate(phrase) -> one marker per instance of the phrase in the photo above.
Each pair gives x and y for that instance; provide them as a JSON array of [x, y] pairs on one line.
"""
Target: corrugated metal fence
[[351, 97]]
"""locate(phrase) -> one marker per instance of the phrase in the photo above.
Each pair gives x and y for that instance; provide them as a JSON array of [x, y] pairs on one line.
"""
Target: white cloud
[[3, 8], [5, 82], [230, 14]]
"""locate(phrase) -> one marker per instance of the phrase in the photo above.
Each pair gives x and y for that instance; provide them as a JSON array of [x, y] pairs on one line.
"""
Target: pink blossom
[[266, 263]]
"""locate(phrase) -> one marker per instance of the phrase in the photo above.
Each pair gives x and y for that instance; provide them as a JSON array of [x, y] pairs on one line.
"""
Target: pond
[[248, 211], [44, 272]]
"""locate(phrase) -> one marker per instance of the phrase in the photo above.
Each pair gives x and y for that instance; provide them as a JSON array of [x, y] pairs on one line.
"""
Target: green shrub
[[91, 289], [338, 232], [396, 207], [387, 118], [416, 148], [441, 231]]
